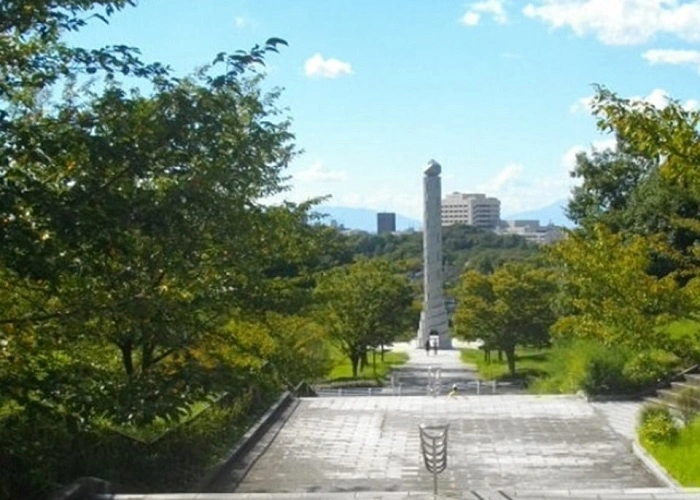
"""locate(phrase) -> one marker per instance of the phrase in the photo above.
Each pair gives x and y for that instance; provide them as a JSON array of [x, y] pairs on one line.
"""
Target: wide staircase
[[682, 394]]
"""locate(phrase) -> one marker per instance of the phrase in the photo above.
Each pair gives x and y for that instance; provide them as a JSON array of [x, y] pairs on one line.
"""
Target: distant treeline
[[464, 247]]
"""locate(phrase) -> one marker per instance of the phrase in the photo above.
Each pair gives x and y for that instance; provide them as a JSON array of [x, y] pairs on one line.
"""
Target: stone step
[[693, 379], [667, 395], [677, 387], [612, 494], [663, 402]]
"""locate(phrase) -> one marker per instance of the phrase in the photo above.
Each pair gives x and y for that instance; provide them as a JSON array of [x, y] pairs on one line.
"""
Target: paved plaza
[[509, 442], [495, 442]]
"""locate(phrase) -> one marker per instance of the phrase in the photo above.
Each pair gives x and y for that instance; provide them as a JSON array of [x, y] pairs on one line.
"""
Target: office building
[[474, 209], [386, 222]]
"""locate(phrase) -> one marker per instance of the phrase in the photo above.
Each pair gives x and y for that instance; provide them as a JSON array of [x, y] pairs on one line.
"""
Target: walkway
[[414, 374], [512, 443]]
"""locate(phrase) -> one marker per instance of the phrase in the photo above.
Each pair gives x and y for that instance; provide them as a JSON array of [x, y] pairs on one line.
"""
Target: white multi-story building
[[531, 230], [474, 209]]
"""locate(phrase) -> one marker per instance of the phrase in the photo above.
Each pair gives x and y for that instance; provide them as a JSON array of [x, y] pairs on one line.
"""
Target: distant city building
[[474, 209], [531, 230], [386, 222]]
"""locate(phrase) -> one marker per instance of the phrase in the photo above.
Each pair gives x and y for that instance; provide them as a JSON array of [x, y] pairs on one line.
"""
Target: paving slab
[[495, 442], [363, 445]]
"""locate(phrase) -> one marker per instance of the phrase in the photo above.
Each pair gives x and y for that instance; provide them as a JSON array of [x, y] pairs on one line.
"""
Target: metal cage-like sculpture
[[433, 446]]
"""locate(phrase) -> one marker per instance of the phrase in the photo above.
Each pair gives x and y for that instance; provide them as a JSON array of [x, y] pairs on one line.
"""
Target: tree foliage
[[362, 305], [649, 184], [608, 293], [633, 265], [130, 223], [506, 309]]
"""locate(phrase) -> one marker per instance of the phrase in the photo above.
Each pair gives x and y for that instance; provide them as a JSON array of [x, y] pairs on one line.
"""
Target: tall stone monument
[[433, 318]]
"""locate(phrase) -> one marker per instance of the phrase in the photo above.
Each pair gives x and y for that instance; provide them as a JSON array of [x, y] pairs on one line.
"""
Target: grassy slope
[[682, 458], [342, 371], [530, 363]]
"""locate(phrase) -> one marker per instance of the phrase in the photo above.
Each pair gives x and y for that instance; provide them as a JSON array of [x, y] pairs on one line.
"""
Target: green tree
[[130, 224], [34, 55], [363, 305], [649, 184], [608, 294], [510, 307], [633, 265]]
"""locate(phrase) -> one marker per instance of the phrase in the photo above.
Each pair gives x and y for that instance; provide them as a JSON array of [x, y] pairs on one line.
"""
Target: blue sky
[[493, 90]]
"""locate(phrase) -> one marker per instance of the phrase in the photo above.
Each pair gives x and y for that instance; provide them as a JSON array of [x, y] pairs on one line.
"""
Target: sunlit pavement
[[507, 442]]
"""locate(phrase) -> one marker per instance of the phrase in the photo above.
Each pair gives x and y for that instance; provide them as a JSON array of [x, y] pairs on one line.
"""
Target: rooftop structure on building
[[531, 230], [474, 209]]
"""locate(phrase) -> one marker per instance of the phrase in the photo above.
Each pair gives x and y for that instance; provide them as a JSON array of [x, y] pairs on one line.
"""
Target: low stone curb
[[85, 488], [246, 442], [654, 466]]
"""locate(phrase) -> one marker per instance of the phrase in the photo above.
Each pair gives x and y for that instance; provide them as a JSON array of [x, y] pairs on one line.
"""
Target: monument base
[[436, 321]]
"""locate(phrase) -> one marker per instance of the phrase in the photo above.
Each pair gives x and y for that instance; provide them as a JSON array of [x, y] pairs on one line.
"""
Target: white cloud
[[676, 57], [657, 98], [581, 105], [621, 22], [568, 159], [317, 172], [316, 65], [471, 18], [240, 22], [510, 55], [509, 173], [692, 105], [519, 191], [494, 8]]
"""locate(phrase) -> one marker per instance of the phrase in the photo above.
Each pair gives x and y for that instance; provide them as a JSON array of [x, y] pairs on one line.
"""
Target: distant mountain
[[554, 213], [363, 219]]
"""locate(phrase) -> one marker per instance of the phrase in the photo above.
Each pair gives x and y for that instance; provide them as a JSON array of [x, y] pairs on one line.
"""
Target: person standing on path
[[427, 347]]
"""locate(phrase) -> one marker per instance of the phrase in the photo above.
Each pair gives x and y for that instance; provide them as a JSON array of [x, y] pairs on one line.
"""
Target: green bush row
[[676, 448], [598, 369], [40, 451]]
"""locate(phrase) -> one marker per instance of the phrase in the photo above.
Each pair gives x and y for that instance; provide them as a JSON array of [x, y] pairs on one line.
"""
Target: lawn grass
[[342, 370], [530, 364], [681, 459]]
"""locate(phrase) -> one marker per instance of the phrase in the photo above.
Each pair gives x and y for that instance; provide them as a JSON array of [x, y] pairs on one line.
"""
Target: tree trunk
[[127, 359], [354, 362], [510, 357], [146, 356], [382, 353]]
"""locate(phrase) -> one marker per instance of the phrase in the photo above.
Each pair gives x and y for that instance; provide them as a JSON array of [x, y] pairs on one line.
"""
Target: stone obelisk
[[433, 318]]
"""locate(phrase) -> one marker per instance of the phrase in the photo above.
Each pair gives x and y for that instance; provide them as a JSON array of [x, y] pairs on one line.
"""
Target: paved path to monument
[[414, 374], [520, 442]]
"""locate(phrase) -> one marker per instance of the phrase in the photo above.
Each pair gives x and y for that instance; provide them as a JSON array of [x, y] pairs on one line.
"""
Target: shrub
[[657, 426], [604, 373], [40, 452], [649, 367], [650, 411], [688, 402], [567, 366]]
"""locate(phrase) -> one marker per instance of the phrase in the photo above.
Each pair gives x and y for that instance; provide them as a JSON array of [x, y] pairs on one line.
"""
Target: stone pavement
[[496, 442], [628, 494], [414, 373], [362, 446]]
